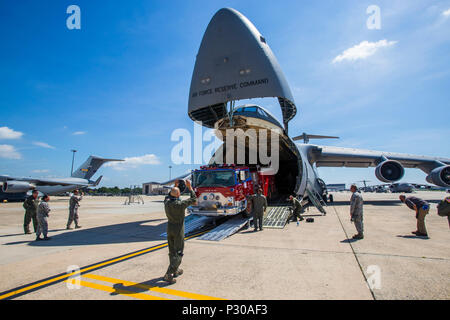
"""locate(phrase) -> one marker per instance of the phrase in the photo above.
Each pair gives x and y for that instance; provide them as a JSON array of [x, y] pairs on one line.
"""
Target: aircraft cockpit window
[[262, 113], [250, 109]]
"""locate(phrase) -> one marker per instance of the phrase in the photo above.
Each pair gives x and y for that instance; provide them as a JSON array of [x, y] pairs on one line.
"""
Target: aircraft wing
[[326, 156], [175, 179], [49, 181], [437, 168]]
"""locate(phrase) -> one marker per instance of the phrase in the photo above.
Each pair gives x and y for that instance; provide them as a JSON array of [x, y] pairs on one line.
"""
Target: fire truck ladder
[[194, 222], [226, 229]]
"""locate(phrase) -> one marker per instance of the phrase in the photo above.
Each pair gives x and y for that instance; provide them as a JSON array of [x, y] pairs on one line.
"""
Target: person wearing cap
[[31, 205], [421, 207], [74, 204], [356, 212], [42, 215]]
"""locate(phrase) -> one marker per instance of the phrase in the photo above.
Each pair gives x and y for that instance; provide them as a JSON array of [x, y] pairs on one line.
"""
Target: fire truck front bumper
[[223, 211]]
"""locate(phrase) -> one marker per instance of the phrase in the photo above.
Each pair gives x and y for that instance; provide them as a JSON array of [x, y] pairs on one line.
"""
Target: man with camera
[[74, 204], [175, 210], [421, 207]]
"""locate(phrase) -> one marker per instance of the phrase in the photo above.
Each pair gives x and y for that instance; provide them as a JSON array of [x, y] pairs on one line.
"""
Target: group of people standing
[[39, 212], [420, 206]]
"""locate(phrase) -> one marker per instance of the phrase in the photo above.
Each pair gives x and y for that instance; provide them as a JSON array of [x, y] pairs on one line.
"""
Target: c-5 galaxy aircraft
[[234, 63], [52, 186]]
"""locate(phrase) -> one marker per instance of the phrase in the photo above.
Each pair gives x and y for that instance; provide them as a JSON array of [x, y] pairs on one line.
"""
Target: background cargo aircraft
[[51, 186], [234, 63]]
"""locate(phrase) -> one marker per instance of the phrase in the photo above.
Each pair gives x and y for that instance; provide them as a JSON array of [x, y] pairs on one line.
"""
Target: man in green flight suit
[[175, 210], [296, 209], [259, 206], [31, 205]]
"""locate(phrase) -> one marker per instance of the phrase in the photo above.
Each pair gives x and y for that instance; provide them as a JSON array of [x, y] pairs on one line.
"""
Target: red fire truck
[[222, 190]]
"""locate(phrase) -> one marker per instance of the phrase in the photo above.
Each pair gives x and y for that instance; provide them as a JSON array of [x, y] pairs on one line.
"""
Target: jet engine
[[389, 171], [440, 176], [17, 186]]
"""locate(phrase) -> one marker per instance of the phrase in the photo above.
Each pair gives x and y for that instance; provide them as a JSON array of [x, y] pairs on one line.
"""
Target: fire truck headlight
[[217, 197]]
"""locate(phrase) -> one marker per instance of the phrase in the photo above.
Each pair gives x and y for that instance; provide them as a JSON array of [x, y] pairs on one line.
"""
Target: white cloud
[[446, 13], [9, 152], [41, 171], [363, 50], [7, 133], [43, 145], [78, 133], [134, 162]]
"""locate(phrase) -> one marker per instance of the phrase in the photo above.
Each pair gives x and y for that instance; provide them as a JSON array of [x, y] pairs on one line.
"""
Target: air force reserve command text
[[230, 309], [230, 87]]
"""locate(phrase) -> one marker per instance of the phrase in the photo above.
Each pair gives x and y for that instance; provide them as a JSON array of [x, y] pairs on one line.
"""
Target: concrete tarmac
[[311, 261]]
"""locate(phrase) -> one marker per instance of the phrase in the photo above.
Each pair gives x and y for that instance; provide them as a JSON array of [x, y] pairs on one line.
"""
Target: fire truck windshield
[[210, 178]]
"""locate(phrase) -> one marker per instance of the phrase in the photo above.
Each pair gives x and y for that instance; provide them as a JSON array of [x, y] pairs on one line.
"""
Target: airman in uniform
[[175, 211], [31, 205], [74, 204], [296, 209], [259, 206], [42, 215], [356, 212]]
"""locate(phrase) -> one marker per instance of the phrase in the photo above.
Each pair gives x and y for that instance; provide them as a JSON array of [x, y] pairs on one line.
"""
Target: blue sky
[[119, 86]]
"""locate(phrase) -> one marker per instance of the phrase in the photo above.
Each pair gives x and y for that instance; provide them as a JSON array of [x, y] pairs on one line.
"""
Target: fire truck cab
[[222, 190]]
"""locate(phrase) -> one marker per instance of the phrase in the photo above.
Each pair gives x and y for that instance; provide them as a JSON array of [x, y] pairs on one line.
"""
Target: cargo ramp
[[194, 222], [276, 217], [227, 228]]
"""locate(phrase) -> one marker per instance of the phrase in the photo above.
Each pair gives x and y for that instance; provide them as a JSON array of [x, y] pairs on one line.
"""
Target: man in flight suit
[[31, 205], [259, 206], [74, 204], [356, 212], [296, 209], [175, 210]]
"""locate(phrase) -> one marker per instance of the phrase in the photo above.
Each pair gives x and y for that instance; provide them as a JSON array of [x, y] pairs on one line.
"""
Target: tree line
[[116, 191]]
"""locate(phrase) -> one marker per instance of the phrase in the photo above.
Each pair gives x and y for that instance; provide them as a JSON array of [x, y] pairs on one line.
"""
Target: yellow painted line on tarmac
[[65, 276], [101, 287], [172, 292]]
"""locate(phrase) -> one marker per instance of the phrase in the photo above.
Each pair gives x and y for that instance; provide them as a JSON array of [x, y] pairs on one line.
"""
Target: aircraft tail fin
[[98, 181], [306, 137], [90, 167]]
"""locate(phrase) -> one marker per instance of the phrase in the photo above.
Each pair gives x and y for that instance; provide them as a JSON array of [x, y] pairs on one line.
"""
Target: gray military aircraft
[[52, 186], [234, 63]]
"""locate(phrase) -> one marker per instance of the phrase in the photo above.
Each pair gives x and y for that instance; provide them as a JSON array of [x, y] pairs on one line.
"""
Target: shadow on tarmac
[[349, 240], [21, 234], [413, 237], [135, 231], [140, 287]]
